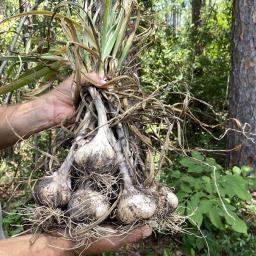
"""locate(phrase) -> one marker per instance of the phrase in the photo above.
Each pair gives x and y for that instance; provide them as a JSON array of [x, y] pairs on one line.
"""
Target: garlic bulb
[[169, 198], [98, 155], [87, 205], [55, 190], [135, 205]]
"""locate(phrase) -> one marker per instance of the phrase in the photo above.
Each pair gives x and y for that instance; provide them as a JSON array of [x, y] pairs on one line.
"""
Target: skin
[[22, 120], [55, 246]]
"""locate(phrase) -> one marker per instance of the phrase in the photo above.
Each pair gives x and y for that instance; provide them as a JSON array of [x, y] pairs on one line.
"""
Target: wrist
[[57, 108]]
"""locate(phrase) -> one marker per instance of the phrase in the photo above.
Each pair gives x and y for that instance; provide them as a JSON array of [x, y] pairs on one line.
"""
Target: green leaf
[[196, 168], [212, 162], [188, 162], [31, 77], [106, 21], [239, 226], [193, 209], [236, 185], [185, 187], [187, 179], [205, 205], [197, 217], [208, 184], [215, 217], [197, 155], [246, 170], [236, 170]]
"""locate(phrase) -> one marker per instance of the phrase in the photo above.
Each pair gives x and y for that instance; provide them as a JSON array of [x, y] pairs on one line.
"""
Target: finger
[[135, 235], [113, 243], [94, 79]]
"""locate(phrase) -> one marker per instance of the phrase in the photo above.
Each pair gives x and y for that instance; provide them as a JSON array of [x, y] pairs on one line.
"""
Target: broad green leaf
[[236, 170], [208, 184], [194, 211], [187, 162], [246, 170], [187, 178], [239, 226], [197, 217], [215, 218], [212, 162], [196, 168], [205, 205], [185, 187], [182, 195], [237, 185], [197, 155]]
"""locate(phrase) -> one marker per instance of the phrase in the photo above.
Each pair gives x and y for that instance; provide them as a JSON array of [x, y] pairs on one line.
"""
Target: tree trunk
[[196, 22], [242, 94], [196, 10], [174, 20]]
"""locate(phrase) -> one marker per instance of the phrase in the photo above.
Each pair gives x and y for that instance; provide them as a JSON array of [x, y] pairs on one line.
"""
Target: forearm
[[44, 245], [20, 121]]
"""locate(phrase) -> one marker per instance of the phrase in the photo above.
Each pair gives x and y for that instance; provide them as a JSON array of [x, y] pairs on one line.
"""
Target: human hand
[[62, 98], [57, 246], [115, 242]]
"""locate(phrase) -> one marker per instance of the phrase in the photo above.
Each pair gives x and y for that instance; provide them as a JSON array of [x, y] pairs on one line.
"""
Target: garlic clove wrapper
[[135, 206], [53, 191], [168, 201], [97, 155], [87, 205]]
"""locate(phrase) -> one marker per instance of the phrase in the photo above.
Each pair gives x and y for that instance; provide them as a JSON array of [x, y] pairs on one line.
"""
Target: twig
[[16, 36]]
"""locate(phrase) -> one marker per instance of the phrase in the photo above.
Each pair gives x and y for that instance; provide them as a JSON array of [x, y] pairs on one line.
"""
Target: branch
[[16, 36]]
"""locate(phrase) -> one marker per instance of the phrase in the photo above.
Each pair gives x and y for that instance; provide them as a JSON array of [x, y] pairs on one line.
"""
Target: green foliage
[[217, 200], [211, 197]]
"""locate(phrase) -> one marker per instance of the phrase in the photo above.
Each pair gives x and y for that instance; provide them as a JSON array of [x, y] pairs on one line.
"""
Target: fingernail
[[147, 231]]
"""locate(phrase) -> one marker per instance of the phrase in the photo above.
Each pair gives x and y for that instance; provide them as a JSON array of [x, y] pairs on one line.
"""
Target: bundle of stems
[[109, 174]]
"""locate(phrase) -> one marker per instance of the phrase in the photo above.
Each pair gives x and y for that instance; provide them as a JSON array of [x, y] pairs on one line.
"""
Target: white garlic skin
[[87, 204], [97, 155], [134, 207], [53, 191], [172, 200], [168, 201]]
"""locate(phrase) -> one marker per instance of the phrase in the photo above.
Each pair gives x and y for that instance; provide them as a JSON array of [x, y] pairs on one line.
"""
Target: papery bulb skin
[[136, 206], [87, 205], [172, 200], [53, 191], [168, 201], [97, 155]]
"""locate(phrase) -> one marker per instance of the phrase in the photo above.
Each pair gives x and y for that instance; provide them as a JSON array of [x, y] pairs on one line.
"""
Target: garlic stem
[[102, 117]]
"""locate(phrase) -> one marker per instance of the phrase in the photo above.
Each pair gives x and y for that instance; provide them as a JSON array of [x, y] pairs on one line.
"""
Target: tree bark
[[242, 91], [197, 22], [196, 11]]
